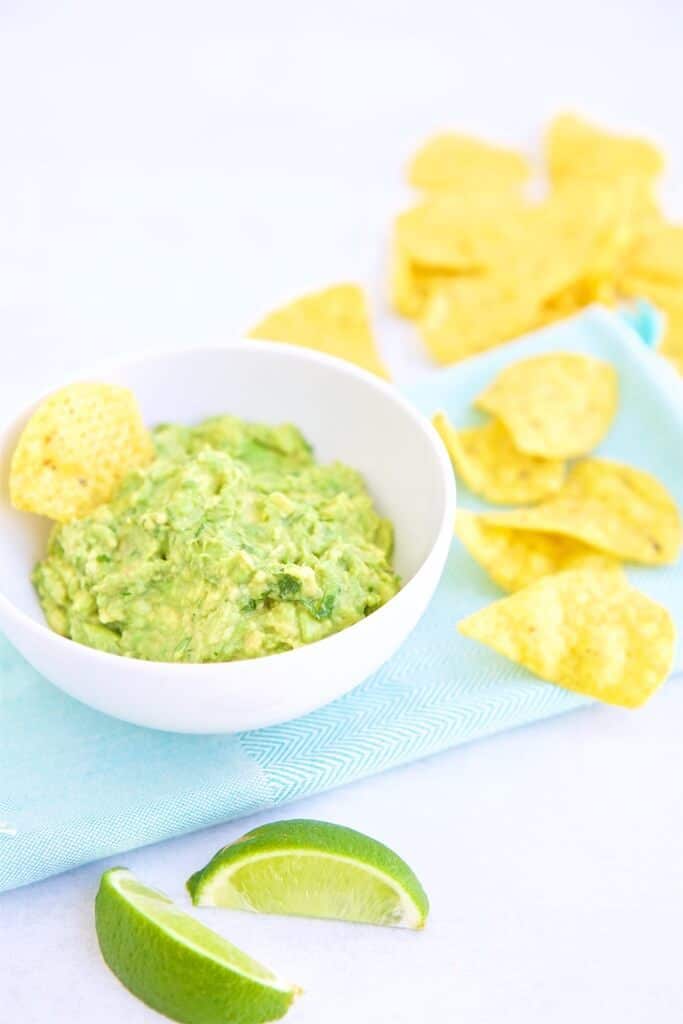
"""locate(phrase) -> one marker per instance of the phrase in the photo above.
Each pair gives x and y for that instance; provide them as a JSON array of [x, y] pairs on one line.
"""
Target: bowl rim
[[297, 354]]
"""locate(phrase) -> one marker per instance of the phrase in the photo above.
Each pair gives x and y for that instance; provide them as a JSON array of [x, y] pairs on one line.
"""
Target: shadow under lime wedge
[[313, 869], [176, 964]]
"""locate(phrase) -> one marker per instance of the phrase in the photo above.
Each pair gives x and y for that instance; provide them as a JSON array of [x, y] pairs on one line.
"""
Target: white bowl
[[349, 415]]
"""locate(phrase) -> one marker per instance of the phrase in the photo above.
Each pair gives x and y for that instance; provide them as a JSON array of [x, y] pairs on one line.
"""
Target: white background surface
[[168, 172]]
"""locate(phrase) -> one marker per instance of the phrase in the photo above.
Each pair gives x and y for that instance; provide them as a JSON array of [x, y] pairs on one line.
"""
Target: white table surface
[[168, 171]]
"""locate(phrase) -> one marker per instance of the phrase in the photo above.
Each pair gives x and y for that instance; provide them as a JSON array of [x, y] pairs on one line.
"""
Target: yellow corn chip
[[672, 342], [585, 629], [488, 462], [577, 149], [76, 449], [334, 320], [405, 290], [515, 558], [411, 284], [473, 314], [580, 239], [558, 405], [565, 303], [664, 295], [658, 256], [461, 232], [571, 300], [452, 162], [614, 508]]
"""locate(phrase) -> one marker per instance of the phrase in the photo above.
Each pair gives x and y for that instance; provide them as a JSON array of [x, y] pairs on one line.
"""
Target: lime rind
[[193, 934], [177, 965], [313, 869]]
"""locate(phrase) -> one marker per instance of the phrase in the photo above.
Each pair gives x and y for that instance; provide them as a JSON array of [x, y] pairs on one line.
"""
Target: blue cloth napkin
[[76, 785]]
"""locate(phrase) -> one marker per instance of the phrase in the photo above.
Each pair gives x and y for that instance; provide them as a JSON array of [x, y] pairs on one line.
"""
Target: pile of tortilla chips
[[475, 262], [572, 618]]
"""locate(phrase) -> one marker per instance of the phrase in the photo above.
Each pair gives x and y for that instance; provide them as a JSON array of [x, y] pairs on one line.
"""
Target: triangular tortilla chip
[[473, 314], [615, 508], [487, 461], [335, 320], [558, 405], [584, 629], [659, 256], [577, 149], [515, 558], [76, 449], [410, 284], [463, 232], [452, 162]]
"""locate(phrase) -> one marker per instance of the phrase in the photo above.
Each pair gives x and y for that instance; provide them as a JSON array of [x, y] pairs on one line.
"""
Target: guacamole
[[233, 543]]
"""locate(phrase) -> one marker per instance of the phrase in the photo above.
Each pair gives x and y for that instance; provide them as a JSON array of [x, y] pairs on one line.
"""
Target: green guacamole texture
[[234, 543]]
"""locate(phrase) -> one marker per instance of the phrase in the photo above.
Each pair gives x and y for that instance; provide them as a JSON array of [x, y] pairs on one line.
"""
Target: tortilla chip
[[664, 294], [577, 149], [566, 302], [473, 314], [405, 291], [671, 346], [461, 232], [581, 239], [623, 511], [515, 558], [586, 630], [76, 449], [335, 320], [411, 285], [488, 462], [453, 162], [558, 405], [658, 256], [575, 298]]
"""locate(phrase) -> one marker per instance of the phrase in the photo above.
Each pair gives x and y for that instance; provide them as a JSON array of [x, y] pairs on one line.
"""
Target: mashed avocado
[[233, 543]]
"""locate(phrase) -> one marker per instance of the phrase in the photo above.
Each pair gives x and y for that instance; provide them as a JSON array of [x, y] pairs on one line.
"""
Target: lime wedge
[[314, 869], [178, 966]]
